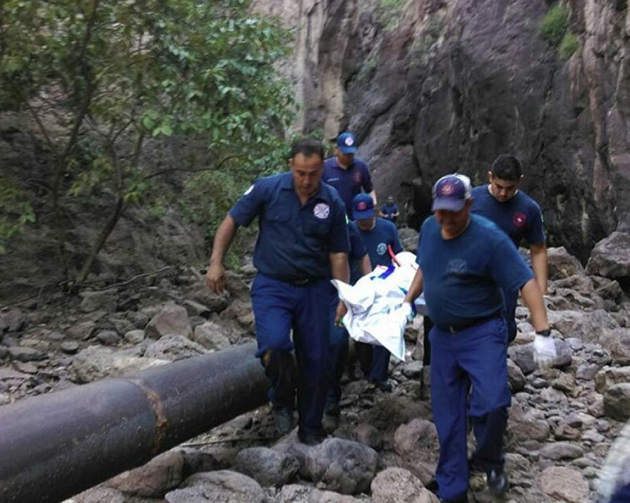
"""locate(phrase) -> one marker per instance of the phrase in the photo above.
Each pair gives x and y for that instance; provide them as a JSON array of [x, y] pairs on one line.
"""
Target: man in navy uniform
[[390, 210], [464, 262], [516, 214], [359, 266], [380, 238], [347, 172], [302, 243]]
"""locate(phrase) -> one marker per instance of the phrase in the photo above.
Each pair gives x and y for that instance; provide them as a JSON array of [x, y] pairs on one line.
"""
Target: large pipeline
[[57, 445]]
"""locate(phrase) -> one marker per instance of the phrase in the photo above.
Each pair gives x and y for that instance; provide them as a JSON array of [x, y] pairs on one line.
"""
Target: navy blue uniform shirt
[[377, 240], [519, 217], [294, 241], [389, 210], [463, 276], [348, 182], [357, 252]]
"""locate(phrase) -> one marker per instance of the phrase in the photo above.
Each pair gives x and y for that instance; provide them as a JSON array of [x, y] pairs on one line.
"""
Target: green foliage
[[555, 24], [15, 212], [123, 72], [568, 46]]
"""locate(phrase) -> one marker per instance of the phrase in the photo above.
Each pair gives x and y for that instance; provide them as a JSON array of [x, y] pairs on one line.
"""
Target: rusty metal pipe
[[57, 445]]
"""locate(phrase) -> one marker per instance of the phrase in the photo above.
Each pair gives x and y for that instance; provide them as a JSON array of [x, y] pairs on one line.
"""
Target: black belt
[[463, 325], [302, 281]]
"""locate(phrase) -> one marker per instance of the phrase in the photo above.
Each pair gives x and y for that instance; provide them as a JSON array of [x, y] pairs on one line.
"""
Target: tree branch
[[218, 166]]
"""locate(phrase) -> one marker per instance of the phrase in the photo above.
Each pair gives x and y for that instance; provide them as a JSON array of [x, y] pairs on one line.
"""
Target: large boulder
[[266, 466], [397, 485], [562, 265], [611, 257], [95, 362], [171, 320], [564, 484], [222, 486]]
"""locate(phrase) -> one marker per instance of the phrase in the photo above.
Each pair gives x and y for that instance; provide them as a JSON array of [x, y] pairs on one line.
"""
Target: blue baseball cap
[[451, 192], [347, 143], [362, 207]]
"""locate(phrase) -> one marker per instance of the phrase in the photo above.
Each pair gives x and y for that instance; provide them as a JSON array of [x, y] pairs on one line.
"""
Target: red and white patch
[[519, 219], [321, 211], [361, 206], [357, 178], [447, 189], [349, 141]]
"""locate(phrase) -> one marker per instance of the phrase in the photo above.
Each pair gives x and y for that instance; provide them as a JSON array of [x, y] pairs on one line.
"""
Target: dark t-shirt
[[519, 217], [463, 276], [348, 182], [357, 252], [377, 240]]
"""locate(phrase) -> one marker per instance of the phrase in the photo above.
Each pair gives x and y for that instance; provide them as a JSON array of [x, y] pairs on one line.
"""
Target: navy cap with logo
[[451, 192], [347, 143], [362, 207]]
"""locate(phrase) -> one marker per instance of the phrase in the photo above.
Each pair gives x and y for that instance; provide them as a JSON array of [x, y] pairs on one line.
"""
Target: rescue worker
[[389, 211], [464, 262], [516, 214], [380, 238], [347, 172], [339, 337], [302, 242]]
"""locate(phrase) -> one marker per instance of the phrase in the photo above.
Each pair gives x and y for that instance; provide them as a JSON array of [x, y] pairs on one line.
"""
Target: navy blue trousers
[[280, 307], [622, 495], [472, 358]]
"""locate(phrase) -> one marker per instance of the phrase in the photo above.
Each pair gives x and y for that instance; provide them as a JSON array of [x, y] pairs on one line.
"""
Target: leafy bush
[[555, 24], [15, 212]]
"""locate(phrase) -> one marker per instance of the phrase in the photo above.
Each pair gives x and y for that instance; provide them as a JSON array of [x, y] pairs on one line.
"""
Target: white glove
[[407, 311], [544, 350]]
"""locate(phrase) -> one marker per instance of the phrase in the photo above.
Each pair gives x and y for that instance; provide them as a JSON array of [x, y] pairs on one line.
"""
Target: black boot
[[281, 369]]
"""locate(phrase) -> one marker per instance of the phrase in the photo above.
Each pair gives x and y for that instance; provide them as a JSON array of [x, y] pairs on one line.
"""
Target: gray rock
[[211, 336], [561, 450], [523, 357], [617, 402], [171, 320], [97, 362], [368, 435], [417, 444], [525, 426], [108, 337], [21, 354], [70, 347], [395, 485], [81, 331], [584, 326], [13, 320], [617, 342], [93, 301], [99, 495], [412, 369], [294, 493], [153, 480], [174, 347], [609, 376], [611, 257], [134, 336], [562, 265], [223, 486], [336, 464], [516, 377], [266, 466], [564, 484], [587, 372]]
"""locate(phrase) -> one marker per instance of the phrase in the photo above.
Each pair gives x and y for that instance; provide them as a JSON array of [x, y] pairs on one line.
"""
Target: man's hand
[[407, 311], [216, 277], [341, 312], [544, 350]]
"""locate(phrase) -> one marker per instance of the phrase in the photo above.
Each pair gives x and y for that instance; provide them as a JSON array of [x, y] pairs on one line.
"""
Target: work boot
[[283, 417], [281, 369], [498, 482]]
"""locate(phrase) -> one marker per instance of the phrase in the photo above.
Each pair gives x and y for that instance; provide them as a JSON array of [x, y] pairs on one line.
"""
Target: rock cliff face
[[436, 86]]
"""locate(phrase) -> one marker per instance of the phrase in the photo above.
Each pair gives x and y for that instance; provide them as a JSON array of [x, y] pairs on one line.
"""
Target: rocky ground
[[383, 448]]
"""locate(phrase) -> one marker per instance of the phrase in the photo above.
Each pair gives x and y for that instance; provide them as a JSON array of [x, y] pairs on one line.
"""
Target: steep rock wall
[[435, 86]]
